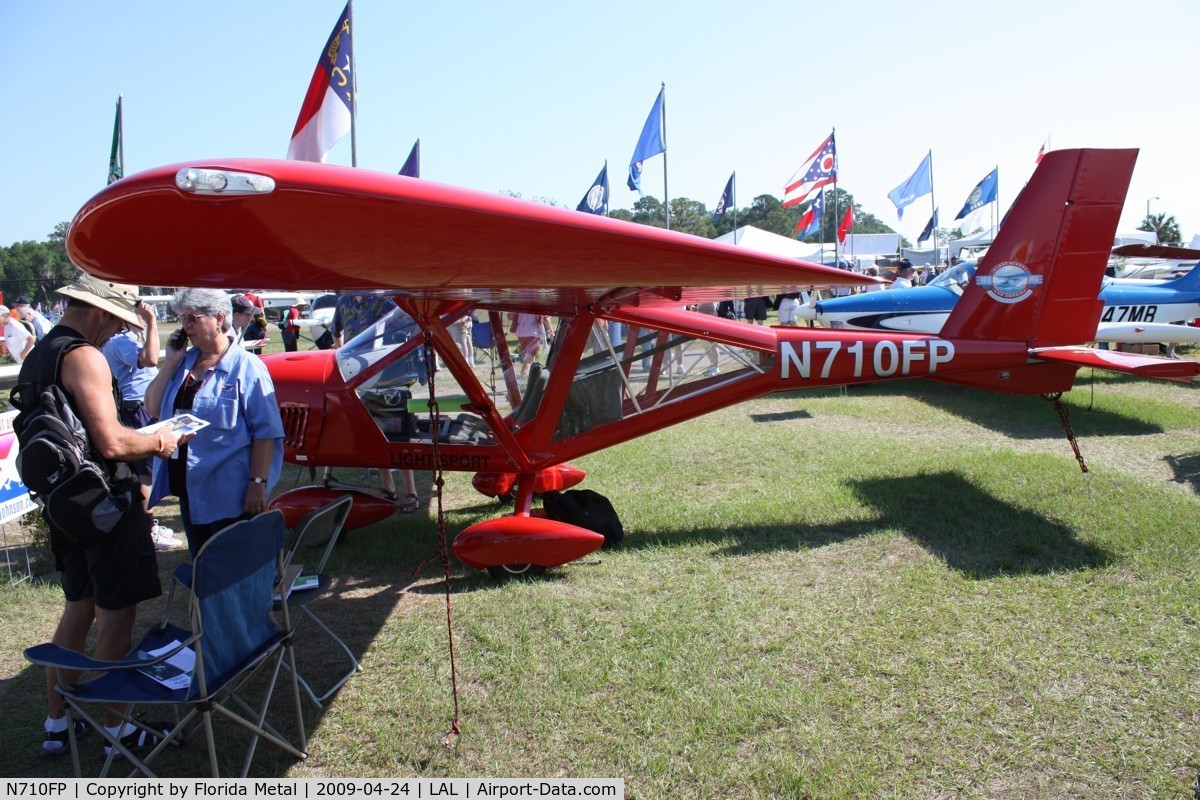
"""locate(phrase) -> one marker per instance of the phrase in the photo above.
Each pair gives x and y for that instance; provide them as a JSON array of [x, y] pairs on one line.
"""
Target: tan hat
[[117, 299]]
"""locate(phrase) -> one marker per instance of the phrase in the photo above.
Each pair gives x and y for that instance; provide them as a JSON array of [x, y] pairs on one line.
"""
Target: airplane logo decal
[[1009, 282]]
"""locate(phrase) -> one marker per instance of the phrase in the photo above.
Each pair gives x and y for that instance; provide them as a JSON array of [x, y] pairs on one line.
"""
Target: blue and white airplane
[[1135, 310]]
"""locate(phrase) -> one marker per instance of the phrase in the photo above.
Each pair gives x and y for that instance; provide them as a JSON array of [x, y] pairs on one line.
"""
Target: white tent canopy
[[757, 239]]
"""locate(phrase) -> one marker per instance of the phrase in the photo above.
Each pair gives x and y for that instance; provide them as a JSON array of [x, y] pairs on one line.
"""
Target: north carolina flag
[[810, 221], [846, 224], [329, 104], [820, 170]]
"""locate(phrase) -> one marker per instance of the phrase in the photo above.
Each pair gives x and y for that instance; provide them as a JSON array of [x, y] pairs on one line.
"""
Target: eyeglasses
[[190, 319]]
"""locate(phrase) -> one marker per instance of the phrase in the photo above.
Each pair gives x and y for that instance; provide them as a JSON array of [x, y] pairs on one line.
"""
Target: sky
[[533, 97]]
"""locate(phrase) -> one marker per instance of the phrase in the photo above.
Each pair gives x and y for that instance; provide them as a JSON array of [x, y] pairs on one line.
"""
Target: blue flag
[[726, 202], [982, 194], [919, 183], [596, 199], [412, 164], [929, 228], [810, 221], [649, 144]]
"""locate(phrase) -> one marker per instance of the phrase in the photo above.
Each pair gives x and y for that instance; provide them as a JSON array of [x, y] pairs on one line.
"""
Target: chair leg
[[349, 654], [291, 657]]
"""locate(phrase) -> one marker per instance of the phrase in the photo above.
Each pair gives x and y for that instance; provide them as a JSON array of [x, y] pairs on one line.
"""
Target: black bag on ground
[[587, 509]]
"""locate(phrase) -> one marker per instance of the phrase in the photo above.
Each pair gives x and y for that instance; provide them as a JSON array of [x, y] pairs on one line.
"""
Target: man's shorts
[[755, 309], [133, 414], [118, 574]]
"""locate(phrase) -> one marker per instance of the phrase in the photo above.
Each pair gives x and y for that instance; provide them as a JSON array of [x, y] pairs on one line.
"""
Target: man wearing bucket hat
[[103, 584]]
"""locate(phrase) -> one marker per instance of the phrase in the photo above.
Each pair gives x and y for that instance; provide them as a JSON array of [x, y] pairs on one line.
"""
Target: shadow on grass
[[968, 529], [1016, 417], [781, 416], [1187, 469]]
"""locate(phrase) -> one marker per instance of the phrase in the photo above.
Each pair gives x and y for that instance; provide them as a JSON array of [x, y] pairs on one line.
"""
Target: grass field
[[901, 591]]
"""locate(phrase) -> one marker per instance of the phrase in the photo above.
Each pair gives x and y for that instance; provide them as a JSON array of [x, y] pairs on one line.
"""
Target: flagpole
[[833, 133], [933, 206], [121, 133], [666, 194], [996, 205], [353, 89], [733, 199]]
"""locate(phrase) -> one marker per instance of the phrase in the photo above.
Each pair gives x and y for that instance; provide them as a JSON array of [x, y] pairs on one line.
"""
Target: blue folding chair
[[233, 583], [319, 529]]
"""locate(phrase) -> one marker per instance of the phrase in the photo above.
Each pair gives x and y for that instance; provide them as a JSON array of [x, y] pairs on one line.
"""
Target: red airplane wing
[[301, 225]]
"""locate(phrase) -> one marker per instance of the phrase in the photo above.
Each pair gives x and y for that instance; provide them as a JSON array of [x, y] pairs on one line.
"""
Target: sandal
[[139, 739], [411, 504], [58, 743], [390, 495]]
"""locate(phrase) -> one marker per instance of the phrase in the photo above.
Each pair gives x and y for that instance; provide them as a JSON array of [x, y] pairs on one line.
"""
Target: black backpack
[[587, 509], [76, 495]]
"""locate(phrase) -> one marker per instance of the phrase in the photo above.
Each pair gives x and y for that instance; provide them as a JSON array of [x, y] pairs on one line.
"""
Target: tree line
[[36, 269]]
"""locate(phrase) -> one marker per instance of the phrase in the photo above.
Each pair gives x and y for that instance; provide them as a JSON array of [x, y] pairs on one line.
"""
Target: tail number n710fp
[[884, 358]]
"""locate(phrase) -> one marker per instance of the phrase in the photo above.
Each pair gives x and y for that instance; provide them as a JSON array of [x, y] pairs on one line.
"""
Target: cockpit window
[[957, 276], [376, 342]]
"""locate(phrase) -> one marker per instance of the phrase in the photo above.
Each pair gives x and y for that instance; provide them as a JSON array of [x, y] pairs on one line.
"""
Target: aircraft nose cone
[[805, 311]]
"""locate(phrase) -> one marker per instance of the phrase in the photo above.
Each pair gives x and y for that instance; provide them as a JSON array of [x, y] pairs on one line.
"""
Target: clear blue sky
[[532, 97]]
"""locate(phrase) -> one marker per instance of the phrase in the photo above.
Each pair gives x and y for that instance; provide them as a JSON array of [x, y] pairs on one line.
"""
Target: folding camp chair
[[233, 637], [318, 529]]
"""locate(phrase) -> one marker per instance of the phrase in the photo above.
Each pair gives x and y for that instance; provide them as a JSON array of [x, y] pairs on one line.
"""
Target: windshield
[[376, 342], [957, 276]]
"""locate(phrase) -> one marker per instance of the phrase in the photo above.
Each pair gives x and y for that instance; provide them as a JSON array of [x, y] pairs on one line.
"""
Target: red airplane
[[443, 253]]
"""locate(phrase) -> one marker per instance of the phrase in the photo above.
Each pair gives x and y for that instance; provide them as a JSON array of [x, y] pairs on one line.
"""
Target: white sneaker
[[163, 537], [711, 372]]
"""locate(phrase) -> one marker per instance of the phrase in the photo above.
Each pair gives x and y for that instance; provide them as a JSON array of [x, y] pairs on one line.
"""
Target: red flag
[[846, 224], [1041, 152], [328, 105]]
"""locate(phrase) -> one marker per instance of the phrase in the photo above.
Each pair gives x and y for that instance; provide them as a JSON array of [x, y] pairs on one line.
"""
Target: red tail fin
[[1040, 280]]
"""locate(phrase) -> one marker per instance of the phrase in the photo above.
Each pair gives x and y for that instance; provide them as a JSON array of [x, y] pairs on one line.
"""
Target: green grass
[[904, 591]]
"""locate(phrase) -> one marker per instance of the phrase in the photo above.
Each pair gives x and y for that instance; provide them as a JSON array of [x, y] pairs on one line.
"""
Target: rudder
[[1040, 280]]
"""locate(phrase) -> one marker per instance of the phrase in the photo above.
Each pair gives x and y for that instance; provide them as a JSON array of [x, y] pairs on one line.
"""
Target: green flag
[[116, 159]]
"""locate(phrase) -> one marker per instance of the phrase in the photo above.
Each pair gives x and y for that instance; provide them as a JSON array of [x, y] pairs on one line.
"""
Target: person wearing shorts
[[756, 310], [103, 584]]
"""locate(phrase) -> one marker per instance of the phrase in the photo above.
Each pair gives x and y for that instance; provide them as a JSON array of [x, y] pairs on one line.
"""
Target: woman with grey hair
[[226, 472]]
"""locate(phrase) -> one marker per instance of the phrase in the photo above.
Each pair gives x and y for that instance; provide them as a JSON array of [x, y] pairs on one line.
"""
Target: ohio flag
[[820, 170], [329, 104]]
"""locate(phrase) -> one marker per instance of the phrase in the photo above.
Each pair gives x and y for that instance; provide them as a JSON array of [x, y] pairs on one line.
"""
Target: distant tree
[[1165, 227], [691, 216], [36, 268]]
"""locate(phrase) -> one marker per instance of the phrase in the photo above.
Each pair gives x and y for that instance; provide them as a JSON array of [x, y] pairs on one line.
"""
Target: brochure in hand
[[176, 671], [180, 425]]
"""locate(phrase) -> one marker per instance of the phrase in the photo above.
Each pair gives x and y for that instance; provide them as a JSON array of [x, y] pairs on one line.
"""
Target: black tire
[[508, 571]]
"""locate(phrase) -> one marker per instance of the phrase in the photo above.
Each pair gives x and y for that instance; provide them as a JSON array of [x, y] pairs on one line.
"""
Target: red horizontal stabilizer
[[523, 540], [1167, 369], [1156, 251]]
